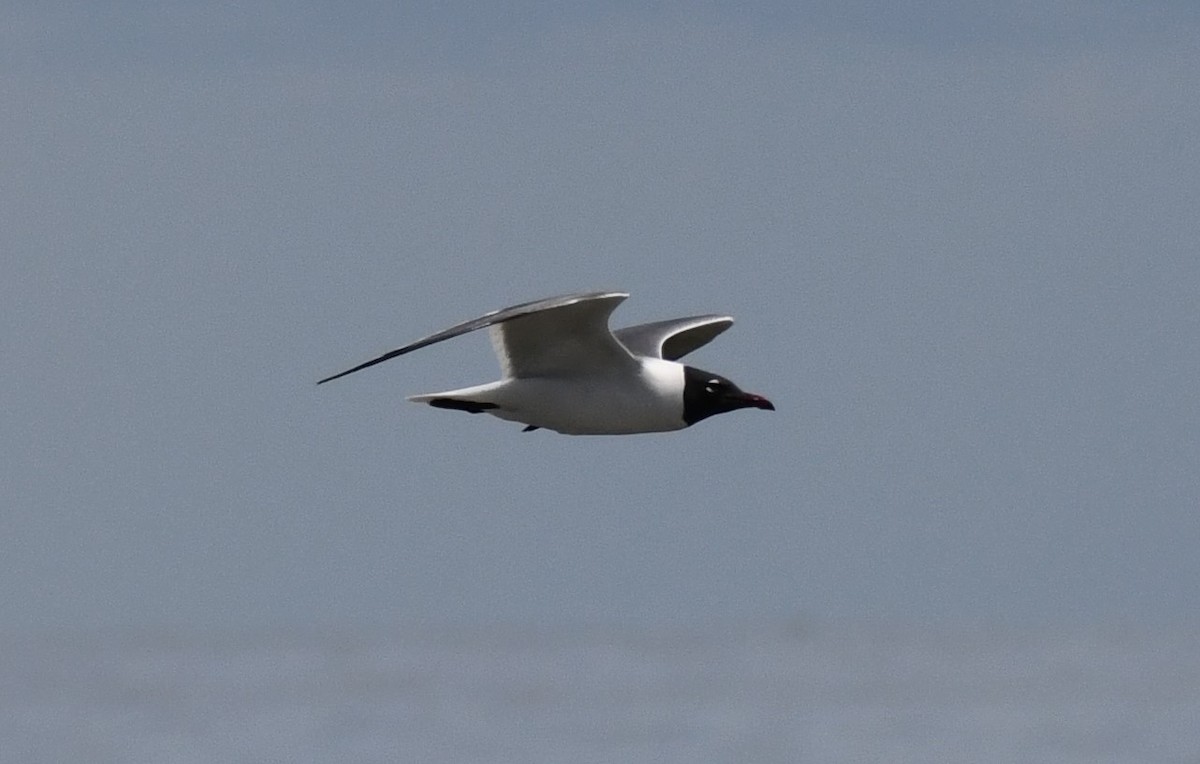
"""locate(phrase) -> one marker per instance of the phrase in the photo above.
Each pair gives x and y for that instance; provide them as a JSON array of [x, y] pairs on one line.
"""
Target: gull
[[563, 369]]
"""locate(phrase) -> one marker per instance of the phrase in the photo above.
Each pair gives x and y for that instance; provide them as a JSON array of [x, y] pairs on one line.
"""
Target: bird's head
[[706, 394]]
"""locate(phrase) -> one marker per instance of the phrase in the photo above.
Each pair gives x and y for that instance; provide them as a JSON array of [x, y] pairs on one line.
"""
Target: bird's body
[[564, 370], [592, 404]]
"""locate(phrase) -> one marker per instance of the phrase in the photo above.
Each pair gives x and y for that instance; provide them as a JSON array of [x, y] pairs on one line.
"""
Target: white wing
[[568, 337], [674, 338]]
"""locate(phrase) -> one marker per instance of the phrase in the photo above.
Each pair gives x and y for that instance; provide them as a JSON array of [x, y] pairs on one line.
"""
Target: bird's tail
[[474, 400]]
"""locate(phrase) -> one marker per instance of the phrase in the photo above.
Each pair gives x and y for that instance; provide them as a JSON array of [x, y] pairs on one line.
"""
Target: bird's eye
[[714, 386]]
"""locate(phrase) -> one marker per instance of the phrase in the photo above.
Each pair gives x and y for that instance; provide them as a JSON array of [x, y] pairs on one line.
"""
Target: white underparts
[[649, 400]]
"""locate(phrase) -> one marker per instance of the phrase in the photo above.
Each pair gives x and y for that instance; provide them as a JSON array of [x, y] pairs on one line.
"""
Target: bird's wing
[[562, 336], [544, 323], [674, 338]]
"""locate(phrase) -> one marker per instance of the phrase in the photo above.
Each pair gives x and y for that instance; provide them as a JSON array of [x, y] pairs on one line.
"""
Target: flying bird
[[563, 369]]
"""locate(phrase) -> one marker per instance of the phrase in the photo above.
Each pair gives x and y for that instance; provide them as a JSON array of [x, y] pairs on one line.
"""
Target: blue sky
[[960, 248]]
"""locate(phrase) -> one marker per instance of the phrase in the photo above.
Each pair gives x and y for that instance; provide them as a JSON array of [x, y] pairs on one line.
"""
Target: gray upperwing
[[487, 319], [674, 338]]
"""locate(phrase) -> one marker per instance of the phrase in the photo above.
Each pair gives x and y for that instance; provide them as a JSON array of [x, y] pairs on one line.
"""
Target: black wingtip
[[367, 364], [335, 376], [531, 428]]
